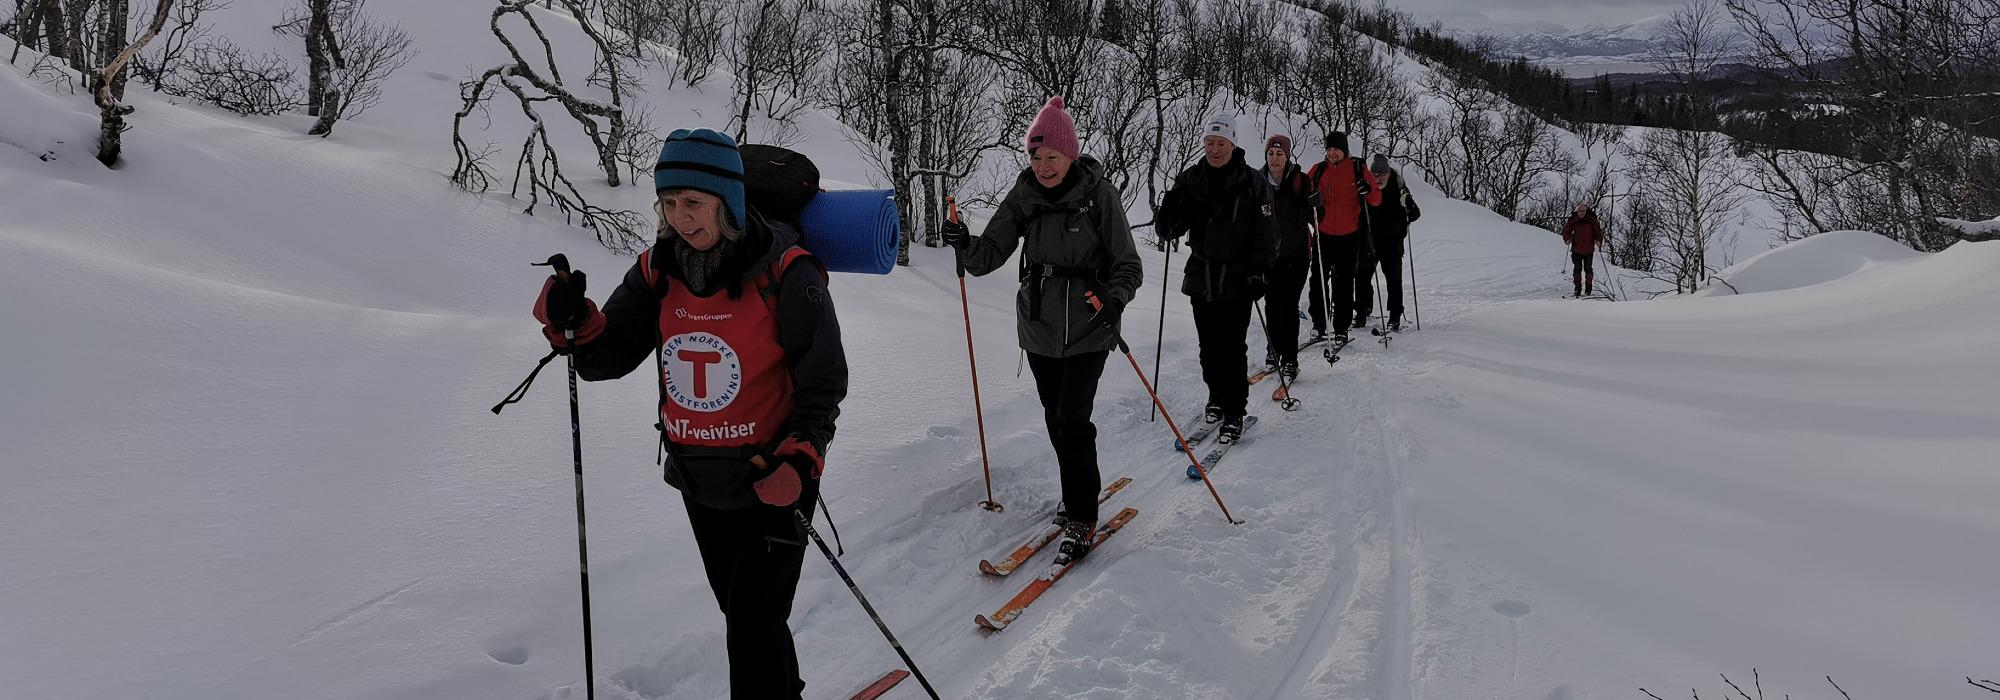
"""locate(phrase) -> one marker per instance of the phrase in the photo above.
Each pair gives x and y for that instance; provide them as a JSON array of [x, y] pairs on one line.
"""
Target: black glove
[[955, 234], [1109, 310], [1361, 188], [1314, 200], [1257, 285], [563, 305]]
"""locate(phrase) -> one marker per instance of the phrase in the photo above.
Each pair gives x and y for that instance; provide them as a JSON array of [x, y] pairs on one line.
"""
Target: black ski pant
[[1391, 261], [1222, 328], [1341, 257], [752, 557], [1281, 307], [1068, 388], [1364, 284], [1582, 274]]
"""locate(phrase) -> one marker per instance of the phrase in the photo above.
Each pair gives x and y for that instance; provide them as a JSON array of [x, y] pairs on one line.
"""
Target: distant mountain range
[[1630, 43]]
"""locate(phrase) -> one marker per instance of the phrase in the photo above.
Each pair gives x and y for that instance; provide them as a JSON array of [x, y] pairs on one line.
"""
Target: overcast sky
[[1570, 13]]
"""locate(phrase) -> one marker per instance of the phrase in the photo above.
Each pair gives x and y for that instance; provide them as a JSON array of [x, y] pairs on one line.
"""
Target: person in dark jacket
[[1348, 189], [751, 374], [1392, 219], [1294, 201], [1582, 234], [1225, 209], [1079, 268]]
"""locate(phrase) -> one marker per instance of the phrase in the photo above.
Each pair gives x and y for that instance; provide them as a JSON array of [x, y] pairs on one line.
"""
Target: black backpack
[[779, 183]]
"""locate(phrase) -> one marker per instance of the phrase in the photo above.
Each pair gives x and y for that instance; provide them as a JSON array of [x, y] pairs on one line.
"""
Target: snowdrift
[[1815, 260]]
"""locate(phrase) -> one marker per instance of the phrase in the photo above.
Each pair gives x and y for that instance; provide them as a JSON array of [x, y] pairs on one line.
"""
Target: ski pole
[[978, 406], [1162, 408], [561, 265], [806, 524], [1258, 307], [1160, 334], [1415, 307]]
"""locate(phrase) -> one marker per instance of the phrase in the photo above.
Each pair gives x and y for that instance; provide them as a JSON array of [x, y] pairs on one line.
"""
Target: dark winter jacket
[[1227, 215], [808, 333], [1393, 216], [1583, 233], [1076, 242], [1293, 209]]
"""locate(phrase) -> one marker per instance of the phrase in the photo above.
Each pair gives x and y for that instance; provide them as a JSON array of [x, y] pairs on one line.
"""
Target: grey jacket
[[1080, 243]]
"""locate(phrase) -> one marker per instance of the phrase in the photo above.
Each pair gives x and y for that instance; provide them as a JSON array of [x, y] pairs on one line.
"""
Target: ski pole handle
[[951, 214], [561, 264]]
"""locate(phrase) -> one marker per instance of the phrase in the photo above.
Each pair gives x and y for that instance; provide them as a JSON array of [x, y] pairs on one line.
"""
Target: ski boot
[[1288, 372], [1270, 358], [1211, 414], [1361, 320], [1076, 542], [1230, 432]]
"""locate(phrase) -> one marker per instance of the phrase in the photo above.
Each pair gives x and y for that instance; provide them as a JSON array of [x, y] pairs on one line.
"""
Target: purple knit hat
[[1053, 130], [1283, 142]]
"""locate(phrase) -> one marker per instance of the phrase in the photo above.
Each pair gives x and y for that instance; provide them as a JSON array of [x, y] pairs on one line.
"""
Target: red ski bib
[[725, 382]]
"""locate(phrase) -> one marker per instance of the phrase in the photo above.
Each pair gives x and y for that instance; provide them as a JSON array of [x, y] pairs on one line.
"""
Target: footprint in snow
[[510, 653]]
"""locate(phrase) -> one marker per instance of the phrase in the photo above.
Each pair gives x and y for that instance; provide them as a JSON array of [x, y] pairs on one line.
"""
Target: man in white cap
[[1224, 207]]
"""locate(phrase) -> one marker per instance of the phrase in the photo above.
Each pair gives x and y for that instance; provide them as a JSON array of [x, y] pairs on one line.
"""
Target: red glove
[[791, 464]]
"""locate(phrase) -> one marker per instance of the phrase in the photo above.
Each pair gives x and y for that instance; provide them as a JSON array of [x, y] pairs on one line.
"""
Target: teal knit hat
[[703, 160]]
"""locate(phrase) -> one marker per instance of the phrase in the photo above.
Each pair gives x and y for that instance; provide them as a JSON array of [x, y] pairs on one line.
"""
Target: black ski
[[1215, 457]]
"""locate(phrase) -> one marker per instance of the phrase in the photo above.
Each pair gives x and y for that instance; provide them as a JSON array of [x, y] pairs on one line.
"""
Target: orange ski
[[889, 680], [1021, 554], [1012, 610]]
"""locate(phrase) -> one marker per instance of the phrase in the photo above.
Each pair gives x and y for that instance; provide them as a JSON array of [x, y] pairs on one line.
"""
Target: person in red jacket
[[1582, 234], [1345, 187]]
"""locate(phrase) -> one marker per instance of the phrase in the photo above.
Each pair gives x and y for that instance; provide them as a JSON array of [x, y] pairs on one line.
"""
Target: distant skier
[[1225, 208], [1392, 219], [1345, 187], [1078, 248], [1294, 202], [751, 379], [1582, 234]]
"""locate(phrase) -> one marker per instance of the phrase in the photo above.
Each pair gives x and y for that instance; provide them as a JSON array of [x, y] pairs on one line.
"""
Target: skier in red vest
[[1345, 187], [751, 377]]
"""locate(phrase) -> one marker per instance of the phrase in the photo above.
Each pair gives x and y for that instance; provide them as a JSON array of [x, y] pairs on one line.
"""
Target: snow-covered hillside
[[248, 455]]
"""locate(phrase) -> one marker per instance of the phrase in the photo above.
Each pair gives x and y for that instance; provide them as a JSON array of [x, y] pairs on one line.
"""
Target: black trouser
[[1364, 284], [1222, 328], [1391, 260], [1068, 388], [1281, 307], [1341, 256], [1581, 275], [752, 557]]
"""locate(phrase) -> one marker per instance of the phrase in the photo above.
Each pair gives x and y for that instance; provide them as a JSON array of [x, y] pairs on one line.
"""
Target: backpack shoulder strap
[[769, 282], [651, 273]]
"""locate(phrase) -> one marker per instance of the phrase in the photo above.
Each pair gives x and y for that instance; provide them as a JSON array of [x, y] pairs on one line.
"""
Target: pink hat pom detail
[[1054, 130]]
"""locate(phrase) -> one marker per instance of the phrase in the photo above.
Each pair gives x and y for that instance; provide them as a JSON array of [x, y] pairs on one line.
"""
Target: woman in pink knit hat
[[1079, 268]]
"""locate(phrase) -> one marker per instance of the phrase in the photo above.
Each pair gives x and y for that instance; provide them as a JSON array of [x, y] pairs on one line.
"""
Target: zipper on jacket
[[1066, 293]]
